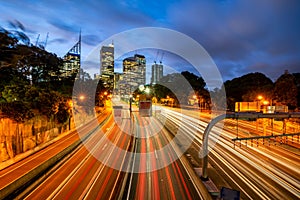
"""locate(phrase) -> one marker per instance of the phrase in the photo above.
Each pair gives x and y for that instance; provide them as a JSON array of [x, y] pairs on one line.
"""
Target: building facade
[[107, 66], [71, 61], [157, 73], [134, 75]]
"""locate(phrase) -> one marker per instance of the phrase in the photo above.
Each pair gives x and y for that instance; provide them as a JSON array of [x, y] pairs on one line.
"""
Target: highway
[[97, 170], [170, 181], [83, 176], [142, 158], [259, 172], [11, 174]]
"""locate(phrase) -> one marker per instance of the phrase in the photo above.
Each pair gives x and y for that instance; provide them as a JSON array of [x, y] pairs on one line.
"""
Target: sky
[[241, 36]]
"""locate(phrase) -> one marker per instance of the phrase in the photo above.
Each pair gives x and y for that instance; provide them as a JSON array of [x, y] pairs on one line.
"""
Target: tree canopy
[[247, 88], [285, 90], [30, 82]]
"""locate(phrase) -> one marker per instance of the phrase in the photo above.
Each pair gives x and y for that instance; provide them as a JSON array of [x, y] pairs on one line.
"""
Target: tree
[[297, 78], [29, 61], [16, 110], [285, 90], [247, 88], [179, 87], [219, 99], [197, 83]]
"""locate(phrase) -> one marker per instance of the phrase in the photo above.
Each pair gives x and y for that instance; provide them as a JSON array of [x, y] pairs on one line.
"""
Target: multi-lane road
[[159, 178], [138, 158], [115, 161], [259, 171]]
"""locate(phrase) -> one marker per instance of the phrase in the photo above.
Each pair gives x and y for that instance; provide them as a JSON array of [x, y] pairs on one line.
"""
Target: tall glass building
[[134, 74], [107, 66], [157, 73], [71, 61]]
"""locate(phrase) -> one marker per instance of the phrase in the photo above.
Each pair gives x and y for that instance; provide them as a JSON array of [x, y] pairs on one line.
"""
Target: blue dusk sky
[[241, 36]]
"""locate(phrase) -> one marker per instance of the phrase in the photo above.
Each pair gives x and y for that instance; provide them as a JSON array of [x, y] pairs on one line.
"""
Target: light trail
[[243, 159]]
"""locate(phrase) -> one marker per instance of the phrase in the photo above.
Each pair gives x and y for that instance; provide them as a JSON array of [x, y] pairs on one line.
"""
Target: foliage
[[247, 88], [178, 86], [220, 101], [30, 79], [99, 98], [31, 62], [297, 78], [285, 90], [16, 110]]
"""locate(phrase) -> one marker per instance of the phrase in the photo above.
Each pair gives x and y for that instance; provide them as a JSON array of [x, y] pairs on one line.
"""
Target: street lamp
[[81, 97], [147, 90], [194, 97], [130, 103], [70, 104], [259, 97], [259, 101], [265, 102]]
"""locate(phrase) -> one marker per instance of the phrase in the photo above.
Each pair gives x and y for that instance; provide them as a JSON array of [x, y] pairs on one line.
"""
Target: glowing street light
[[141, 87], [70, 103], [266, 102], [81, 97], [259, 97], [147, 90]]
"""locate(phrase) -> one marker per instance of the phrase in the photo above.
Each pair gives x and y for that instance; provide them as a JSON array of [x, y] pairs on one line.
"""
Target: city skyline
[[241, 37]]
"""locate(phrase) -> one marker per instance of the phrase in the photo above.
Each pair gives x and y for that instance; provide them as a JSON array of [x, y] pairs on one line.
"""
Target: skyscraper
[[157, 73], [71, 61], [134, 74], [107, 66]]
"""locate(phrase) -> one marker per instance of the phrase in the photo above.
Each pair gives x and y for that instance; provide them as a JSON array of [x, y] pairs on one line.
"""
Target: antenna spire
[[79, 47]]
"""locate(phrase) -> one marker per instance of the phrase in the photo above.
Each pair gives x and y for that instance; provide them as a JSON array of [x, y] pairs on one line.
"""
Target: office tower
[[157, 73], [134, 74], [71, 61], [107, 66]]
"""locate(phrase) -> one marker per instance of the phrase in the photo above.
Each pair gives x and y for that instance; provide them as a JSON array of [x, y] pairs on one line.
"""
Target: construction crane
[[156, 57], [37, 40], [162, 56], [37, 44]]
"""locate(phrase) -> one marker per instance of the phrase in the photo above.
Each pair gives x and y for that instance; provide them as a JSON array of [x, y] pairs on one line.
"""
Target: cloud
[[243, 36], [92, 40], [70, 27], [58, 41], [88, 65]]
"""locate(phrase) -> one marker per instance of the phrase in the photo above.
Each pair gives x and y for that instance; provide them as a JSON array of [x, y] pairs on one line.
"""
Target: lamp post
[[147, 90], [70, 104], [81, 97], [130, 103], [195, 99]]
